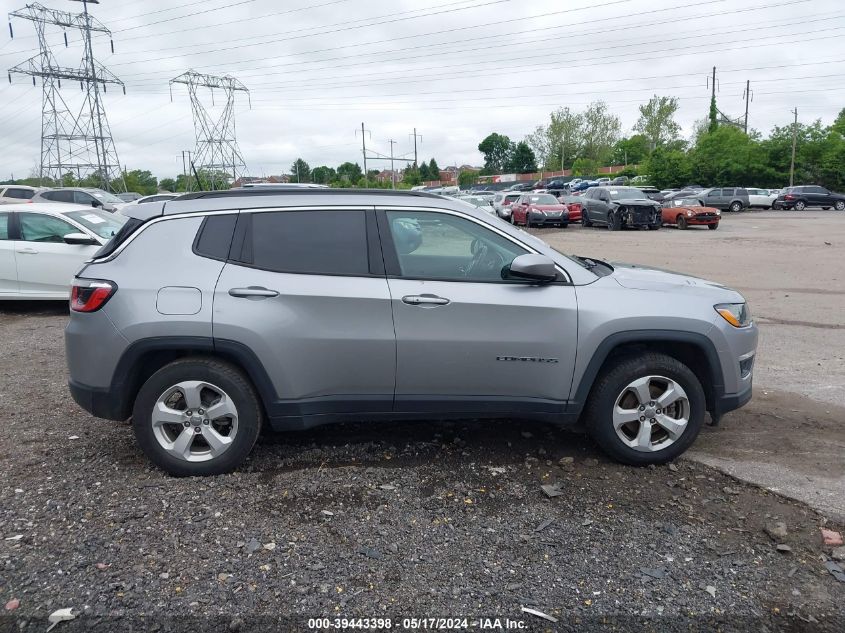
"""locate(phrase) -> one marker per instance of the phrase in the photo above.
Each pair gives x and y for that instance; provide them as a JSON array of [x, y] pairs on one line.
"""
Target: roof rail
[[270, 191]]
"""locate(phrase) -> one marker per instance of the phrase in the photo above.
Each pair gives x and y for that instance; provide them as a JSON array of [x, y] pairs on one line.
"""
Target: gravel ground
[[402, 520]]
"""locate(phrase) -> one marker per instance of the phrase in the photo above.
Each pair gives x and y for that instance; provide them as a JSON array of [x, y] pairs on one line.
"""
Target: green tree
[[566, 137], [140, 181], [167, 184], [727, 157], [467, 178], [585, 167], [349, 172], [497, 150], [668, 168], [411, 175], [630, 151], [433, 169], [713, 115], [424, 175], [600, 132], [300, 171], [522, 160], [540, 143], [323, 175], [657, 121]]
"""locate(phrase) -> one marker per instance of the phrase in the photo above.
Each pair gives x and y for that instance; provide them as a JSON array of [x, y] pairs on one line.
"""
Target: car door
[[601, 205], [467, 340], [46, 264], [818, 197], [305, 291], [8, 266]]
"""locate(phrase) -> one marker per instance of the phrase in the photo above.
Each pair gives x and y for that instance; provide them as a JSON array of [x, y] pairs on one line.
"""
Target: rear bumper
[[98, 402]]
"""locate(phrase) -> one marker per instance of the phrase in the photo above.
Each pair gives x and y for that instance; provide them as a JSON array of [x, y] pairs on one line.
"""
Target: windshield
[[543, 199], [626, 193], [686, 202], [105, 196], [98, 222]]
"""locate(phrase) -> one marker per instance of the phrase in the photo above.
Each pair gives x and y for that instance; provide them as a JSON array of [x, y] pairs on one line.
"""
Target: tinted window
[[318, 242], [21, 194], [432, 245], [4, 226], [80, 197], [727, 193], [215, 236], [816, 190], [59, 196], [36, 227]]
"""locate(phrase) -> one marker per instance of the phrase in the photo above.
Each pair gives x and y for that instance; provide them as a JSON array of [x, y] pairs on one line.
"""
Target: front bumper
[[728, 402], [641, 216], [703, 219]]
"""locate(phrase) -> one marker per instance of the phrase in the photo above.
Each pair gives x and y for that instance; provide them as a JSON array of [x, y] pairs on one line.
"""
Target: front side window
[[431, 245], [37, 227], [311, 242], [80, 197]]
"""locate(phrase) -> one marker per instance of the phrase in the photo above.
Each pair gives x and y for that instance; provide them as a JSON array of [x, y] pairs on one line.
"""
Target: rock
[[327, 513], [592, 461], [253, 546], [711, 590], [657, 573], [269, 546], [566, 461], [831, 538], [236, 624], [387, 487], [838, 553], [783, 547], [551, 490], [673, 468], [101, 566], [13, 604], [777, 531], [369, 552], [835, 570], [527, 435], [730, 491], [164, 575]]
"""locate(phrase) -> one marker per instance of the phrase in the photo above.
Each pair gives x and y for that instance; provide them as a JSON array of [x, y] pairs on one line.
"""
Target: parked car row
[[89, 196]]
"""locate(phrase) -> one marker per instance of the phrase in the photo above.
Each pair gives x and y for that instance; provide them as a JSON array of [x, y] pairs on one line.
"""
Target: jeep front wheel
[[197, 417], [646, 409]]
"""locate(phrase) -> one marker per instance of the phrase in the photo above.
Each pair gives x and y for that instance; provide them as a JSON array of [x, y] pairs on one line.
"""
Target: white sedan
[[42, 246], [760, 198]]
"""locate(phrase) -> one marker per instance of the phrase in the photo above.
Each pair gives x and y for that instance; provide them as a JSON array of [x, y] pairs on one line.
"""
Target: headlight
[[737, 314], [689, 213], [718, 212]]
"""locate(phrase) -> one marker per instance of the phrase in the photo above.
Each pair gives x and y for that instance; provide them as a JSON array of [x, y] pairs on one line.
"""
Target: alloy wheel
[[194, 421], [651, 413]]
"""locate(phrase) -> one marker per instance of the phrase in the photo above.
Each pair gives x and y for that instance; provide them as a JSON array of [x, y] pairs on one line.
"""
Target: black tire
[[713, 227], [584, 220], [598, 413], [653, 227], [527, 221], [839, 205], [800, 205], [564, 225], [231, 380], [613, 223], [736, 206], [510, 218], [825, 208], [683, 225]]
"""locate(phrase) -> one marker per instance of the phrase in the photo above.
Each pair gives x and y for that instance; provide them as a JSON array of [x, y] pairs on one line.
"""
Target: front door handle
[[27, 251], [253, 292], [425, 300]]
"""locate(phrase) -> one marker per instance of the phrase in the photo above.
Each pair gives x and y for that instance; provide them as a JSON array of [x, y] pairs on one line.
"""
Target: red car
[[575, 204], [539, 209], [686, 212]]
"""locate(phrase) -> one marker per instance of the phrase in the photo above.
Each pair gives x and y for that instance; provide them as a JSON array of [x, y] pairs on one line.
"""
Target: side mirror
[[535, 268], [80, 239], [96, 203]]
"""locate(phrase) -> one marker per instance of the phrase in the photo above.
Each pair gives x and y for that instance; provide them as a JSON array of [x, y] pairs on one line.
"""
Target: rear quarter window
[[214, 237]]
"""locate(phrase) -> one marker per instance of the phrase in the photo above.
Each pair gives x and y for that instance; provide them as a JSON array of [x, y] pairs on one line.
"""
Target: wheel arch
[[146, 356], [694, 350]]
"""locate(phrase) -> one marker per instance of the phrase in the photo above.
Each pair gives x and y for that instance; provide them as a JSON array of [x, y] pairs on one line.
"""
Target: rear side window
[[311, 242], [215, 236], [21, 194], [4, 226]]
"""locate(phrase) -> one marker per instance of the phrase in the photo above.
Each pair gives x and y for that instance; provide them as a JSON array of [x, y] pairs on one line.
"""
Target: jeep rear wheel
[[646, 409], [839, 205], [799, 206], [197, 417]]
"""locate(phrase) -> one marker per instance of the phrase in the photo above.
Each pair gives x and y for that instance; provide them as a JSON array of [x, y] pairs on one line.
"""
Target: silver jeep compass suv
[[213, 314]]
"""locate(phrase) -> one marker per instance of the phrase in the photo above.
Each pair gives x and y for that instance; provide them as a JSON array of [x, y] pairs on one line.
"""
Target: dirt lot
[[438, 520]]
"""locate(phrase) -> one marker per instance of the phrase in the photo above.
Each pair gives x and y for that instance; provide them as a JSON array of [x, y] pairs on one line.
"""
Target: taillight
[[89, 295], [789, 196]]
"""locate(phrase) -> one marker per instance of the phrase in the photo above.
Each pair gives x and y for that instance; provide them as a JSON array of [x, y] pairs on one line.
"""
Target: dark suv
[[620, 207], [799, 198], [726, 198]]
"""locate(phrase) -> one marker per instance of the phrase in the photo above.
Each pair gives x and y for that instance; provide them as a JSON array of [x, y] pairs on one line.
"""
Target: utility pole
[[747, 99], [416, 136], [364, 133], [392, 173], [794, 137]]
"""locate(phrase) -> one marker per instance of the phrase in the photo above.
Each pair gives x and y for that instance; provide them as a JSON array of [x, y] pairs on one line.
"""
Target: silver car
[[209, 316], [88, 196]]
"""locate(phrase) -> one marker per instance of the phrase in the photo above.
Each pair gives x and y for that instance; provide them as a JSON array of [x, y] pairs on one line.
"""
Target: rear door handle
[[253, 292], [425, 300], [27, 251]]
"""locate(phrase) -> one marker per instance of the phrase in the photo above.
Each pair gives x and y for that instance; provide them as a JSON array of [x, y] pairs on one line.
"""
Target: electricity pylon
[[217, 154], [77, 143]]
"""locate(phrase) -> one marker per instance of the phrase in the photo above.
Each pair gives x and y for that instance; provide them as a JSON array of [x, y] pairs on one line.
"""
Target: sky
[[456, 70]]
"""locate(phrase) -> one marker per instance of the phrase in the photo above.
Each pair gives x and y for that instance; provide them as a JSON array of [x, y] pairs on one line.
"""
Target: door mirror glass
[[536, 268], [80, 239]]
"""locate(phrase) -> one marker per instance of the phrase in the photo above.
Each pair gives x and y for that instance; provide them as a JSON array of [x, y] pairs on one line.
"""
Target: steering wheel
[[484, 259]]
